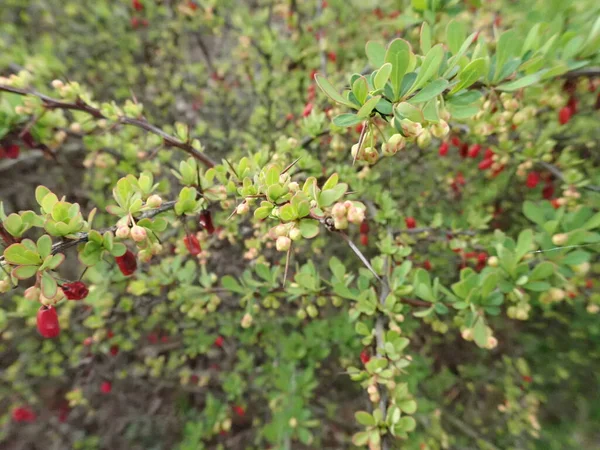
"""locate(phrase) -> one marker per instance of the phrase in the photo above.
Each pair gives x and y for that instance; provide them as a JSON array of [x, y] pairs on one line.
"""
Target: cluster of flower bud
[[347, 212], [519, 311]]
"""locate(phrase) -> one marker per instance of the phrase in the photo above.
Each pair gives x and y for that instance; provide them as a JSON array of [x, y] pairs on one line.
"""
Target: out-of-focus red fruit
[[410, 222], [12, 151], [76, 290], [455, 141], [192, 244], [427, 265], [127, 263], [137, 5], [359, 128], [443, 151], [47, 322], [573, 103], [289, 117], [23, 414], [239, 410], [482, 257], [219, 341], [135, 22], [364, 227], [365, 356], [364, 239], [105, 387], [533, 179], [555, 203], [564, 115], [307, 110], [485, 164], [489, 153], [548, 191], [463, 150], [114, 350], [474, 151]]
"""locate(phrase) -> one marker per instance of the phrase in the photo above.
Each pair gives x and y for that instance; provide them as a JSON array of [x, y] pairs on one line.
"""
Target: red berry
[[206, 221], [47, 322], [137, 5], [456, 141], [464, 150], [364, 227], [110, 334], [427, 265], [127, 263], [474, 151], [548, 191], [331, 56], [497, 172], [219, 341], [555, 203], [239, 410], [364, 239], [573, 103], [106, 387], [153, 338], [359, 128], [75, 290], [443, 151], [312, 74], [589, 283], [533, 179], [564, 115], [28, 139], [410, 222], [527, 379], [23, 414], [135, 22], [192, 5], [489, 153], [88, 341], [482, 257], [12, 151], [114, 350], [378, 13], [485, 164], [289, 117], [192, 244], [145, 22], [307, 109], [460, 179], [365, 357]]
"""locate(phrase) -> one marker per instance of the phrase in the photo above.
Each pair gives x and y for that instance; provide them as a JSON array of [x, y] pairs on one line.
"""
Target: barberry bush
[[299, 224]]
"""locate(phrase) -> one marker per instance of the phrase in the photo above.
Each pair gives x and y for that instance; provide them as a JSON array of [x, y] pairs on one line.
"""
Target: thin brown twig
[[80, 105]]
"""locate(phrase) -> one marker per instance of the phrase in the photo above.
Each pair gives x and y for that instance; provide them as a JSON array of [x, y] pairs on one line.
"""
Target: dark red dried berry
[[76, 290], [12, 151], [206, 221], [47, 322], [192, 244], [364, 239], [127, 263]]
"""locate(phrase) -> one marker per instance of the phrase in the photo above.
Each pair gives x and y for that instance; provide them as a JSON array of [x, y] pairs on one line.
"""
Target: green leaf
[[576, 258], [346, 120], [118, 249], [524, 243], [425, 38], [364, 418], [430, 91], [383, 75], [408, 406], [48, 285], [398, 55], [375, 53], [331, 91], [44, 246], [360, 89], [309, 228], [368, 107], [455, 35], [231, 284], [541, 271], [469, 75], [24, 272], [18, 254], [429, 68], [480, 332], [507, 47], [521, 82], [330, 196]]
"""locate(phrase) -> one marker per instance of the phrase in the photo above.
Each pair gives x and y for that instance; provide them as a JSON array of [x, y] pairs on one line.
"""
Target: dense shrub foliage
[[299, 224]]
